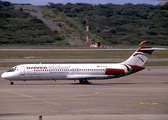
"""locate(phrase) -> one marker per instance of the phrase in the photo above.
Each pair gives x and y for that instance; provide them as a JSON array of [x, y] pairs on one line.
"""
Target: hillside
[[113, 24], [110, 24], [19, 27]]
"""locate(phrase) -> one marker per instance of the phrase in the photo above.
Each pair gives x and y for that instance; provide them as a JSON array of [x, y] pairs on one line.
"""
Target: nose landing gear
[[11, 82]]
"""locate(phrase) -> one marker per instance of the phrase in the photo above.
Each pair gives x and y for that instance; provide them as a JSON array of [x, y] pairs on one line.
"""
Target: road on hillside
[[52, 25], [39, 15]]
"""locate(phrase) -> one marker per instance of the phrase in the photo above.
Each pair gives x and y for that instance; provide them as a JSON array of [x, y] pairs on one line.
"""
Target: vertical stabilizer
[[140, 56]]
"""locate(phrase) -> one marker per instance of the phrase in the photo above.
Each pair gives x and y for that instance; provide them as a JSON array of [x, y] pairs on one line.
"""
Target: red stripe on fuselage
[[110, 71]]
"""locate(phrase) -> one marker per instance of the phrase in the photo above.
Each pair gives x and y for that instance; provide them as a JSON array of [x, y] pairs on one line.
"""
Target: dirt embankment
[[37, 11], [39, 15]]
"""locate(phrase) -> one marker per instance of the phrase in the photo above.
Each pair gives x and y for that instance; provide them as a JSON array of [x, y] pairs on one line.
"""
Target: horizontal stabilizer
[[140, 56], [143, 49]]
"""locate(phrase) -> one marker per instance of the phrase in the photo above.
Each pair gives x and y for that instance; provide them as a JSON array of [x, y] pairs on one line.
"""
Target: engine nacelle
[[124, 69], [111, 71]]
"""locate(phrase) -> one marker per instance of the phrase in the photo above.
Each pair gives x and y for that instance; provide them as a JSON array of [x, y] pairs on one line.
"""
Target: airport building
[[163, 3]]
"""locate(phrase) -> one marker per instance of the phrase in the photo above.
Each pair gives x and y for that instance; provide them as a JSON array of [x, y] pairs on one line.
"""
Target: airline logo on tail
[[140, 57]]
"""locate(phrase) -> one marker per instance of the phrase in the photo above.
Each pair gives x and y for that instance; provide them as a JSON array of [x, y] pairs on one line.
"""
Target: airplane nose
[[3, 75]]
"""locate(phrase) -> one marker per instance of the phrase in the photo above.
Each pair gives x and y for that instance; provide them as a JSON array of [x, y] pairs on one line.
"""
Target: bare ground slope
[[52, 25]]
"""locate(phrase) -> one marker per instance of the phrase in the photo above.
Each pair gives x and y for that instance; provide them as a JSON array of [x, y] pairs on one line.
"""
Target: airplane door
[[22, 70]]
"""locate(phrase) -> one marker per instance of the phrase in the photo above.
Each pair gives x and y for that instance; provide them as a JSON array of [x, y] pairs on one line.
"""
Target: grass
[[71, 54], [74, 54], [160, 63], [51, 46], [11, 64], [64, 54]]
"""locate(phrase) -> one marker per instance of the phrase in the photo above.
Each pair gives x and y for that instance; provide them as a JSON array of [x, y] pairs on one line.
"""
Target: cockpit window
[[12, 70]]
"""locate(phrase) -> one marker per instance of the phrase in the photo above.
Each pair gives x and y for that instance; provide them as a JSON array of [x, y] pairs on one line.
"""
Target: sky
[[45, 2]]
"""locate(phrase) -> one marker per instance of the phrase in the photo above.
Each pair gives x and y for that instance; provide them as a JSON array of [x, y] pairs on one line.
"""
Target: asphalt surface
[[142, 96]]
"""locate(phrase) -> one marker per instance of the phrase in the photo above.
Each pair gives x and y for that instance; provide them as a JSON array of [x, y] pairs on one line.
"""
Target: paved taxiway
[[142, 96]]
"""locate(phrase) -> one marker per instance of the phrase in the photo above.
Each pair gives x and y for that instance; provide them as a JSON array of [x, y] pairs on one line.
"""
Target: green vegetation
[[64, 54], [11, 64], [160, 63], [18, 27], [74, 54], [115, 24], [110, 24]]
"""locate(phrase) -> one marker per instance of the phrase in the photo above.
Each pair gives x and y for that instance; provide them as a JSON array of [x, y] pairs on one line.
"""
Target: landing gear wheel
[[12, 83], [84, 82]]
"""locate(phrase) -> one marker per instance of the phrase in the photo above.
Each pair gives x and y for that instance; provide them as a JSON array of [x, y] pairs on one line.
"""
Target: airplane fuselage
[[81, 72], [66, 71]]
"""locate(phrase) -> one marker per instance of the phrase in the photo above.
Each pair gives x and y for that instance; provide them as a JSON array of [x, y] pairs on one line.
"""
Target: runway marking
[[135, 101], [43, 99], [19, 94], [147, 103], [71, 96], [53, 85], [83, 89], [27, 96]]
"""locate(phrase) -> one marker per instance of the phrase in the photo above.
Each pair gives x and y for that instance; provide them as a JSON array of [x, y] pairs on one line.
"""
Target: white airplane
[[81, 72]]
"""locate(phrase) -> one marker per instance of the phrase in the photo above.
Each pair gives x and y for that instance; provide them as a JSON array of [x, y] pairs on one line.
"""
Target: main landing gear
[[84, 81], [11, 82]]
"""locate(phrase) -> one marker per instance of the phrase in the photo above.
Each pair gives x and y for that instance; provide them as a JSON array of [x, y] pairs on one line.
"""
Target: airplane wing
[[86, 76]]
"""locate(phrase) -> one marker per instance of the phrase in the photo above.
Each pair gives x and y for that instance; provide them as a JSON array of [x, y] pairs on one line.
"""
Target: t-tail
[[139, 57]]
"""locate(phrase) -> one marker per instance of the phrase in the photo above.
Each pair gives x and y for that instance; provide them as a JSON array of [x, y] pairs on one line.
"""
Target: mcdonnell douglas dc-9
[[81, 72]]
